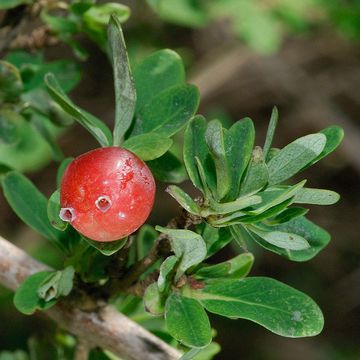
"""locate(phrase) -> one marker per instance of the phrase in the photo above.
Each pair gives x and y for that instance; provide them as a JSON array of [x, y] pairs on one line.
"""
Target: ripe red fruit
[[107, 193]]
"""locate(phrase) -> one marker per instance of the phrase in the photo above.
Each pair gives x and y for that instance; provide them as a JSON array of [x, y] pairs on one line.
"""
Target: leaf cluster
[[29, 120], [246, 197]]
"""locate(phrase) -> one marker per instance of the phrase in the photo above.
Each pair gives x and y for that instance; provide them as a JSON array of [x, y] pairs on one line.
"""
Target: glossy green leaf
[[148, 146], [62, 167], [153, 301], [334, 136], [58, 283], [195, 146], [53, 211], [30, 205], [168, 168], [26, 298], [188, 246], [107, 248], [257, 174], [125, 93], [287, 215], [235, 268], [276, 306], [239, 142], [95, 126], [317, 238], [11, 85], [168, 112], [183, 199], [284, 240], [294, 157], [165, 270], [316, 196], [271, 131], [157, 72], [187, 322]]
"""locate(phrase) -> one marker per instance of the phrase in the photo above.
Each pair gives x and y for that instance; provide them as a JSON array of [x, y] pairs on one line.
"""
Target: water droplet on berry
[[103, 203], [67, 214]]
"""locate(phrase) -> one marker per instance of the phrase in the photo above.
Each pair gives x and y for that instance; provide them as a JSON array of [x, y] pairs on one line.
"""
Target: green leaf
[[165, 270], [157, 72], [282, 239], [214, 137], [106, 248], [257, 174], [334, 136], [26, 298], [276, 306], [9, 130], [97, 16], [59, 283], [168, 168], [187, 322], [229, 207], [148, 146], [214, 238], [8, 4], [62, 167], [196, 147], [95, 126], [241, 217], [153, 301], [145, 238], [168, 112], [294, 157], [272, 152], [11, 85], [53, 210], [188, 246], [235, 268], [239, 142], [181, 12], [125, 93], [41, 124], [183, 199], [274, 196], [287, 215], [30, 205], [63, 26], [271, 131], [317, 238], [316, 196]]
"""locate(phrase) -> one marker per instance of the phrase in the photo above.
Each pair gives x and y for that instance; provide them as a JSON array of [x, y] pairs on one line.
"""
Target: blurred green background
[[245, 56]]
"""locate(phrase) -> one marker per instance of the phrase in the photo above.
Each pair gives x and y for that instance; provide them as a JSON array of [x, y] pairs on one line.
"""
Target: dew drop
[[103, 203], [67, 214]]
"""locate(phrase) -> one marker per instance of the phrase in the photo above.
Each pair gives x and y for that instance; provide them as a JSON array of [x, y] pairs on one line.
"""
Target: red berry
[[107, 194]]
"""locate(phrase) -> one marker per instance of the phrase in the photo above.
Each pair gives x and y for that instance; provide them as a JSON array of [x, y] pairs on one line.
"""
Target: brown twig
[[107, 329]]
